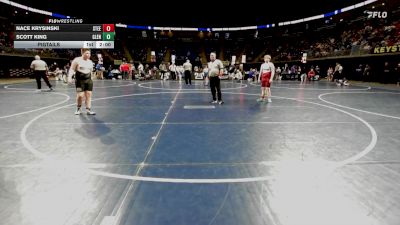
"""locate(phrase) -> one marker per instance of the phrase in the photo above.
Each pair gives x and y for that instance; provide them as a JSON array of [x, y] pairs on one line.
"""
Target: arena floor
[[158, 153]]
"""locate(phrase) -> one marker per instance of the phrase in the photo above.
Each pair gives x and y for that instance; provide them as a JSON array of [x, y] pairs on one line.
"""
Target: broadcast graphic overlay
[[70, 36]]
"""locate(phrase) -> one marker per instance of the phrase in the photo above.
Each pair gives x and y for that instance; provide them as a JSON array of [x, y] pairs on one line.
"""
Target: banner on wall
[[173, 57], [304, 58], [387, 49]]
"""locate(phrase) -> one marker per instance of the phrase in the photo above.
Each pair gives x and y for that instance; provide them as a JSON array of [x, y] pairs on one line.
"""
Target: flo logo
[[376, 14]]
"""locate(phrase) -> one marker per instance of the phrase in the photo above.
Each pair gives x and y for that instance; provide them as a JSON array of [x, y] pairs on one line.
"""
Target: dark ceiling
[[189, 13]]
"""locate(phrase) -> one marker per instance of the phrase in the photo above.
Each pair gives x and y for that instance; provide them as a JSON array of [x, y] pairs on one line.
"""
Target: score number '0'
[[108, 27]]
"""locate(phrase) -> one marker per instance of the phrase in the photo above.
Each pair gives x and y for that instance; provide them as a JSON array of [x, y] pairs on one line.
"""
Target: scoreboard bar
[[64, 36], [65, 44], [64, 28]]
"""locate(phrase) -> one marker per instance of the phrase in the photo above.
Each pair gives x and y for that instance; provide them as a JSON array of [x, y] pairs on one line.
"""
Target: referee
[[40, 69]]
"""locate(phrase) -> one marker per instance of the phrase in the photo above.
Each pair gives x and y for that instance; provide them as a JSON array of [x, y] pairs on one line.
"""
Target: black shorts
[[84, 85]]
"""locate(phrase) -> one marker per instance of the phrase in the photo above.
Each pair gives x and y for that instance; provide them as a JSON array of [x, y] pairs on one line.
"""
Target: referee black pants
[[41, 74], [215, 85], [188, 77]]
